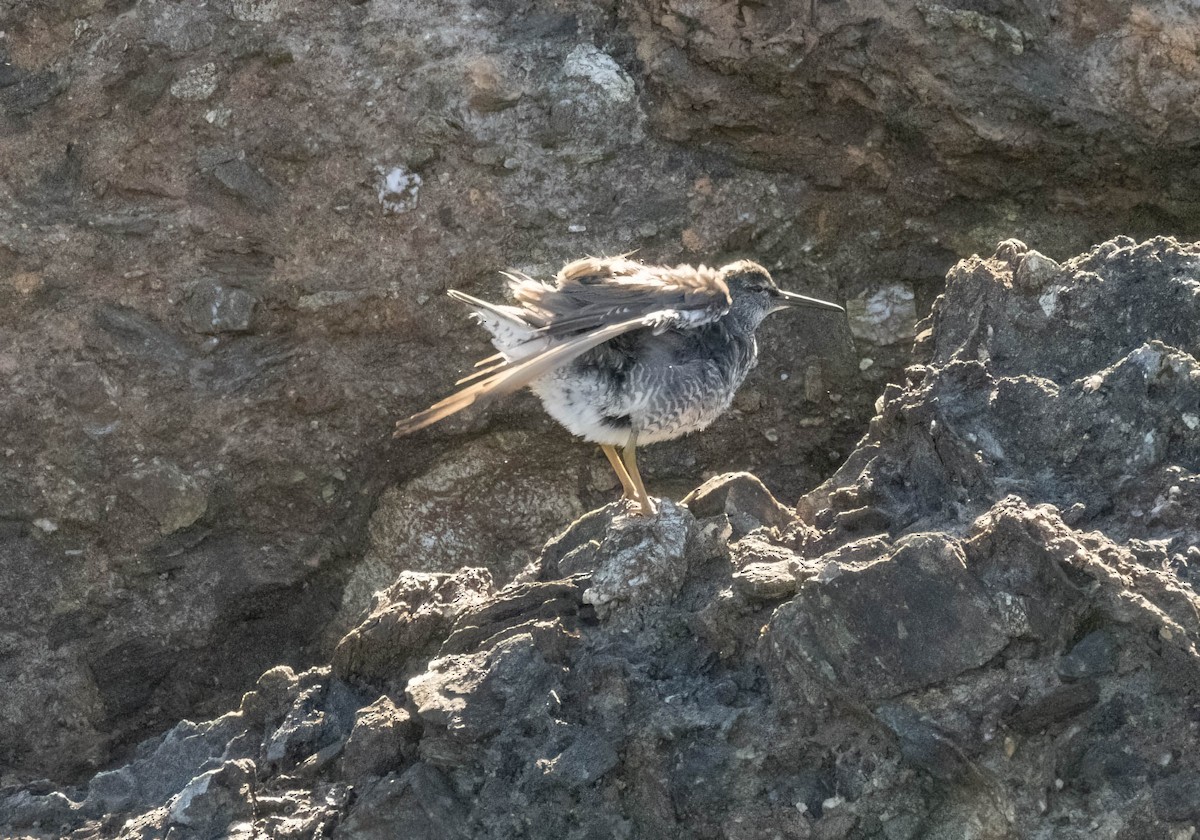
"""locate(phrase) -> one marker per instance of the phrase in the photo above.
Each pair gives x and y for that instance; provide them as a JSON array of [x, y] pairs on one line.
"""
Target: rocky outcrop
[[973, 629], [226, 227]]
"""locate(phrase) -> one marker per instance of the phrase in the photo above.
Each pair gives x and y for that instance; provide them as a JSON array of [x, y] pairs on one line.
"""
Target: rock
[[587, 759], [1093, 656], [272, 695], [378, 741], [742, 498], [463, 703], [420, 803], [317, 724], [525, 505], [490, 90], [923, 745], [1177, 797], [766, 581], [214, 800], [587, 62], [175, 500], [406, 623], [213, 309], [888, 316], [247, 182], [197, 84], [1034, 271], [911, 619], [399, 189], [24, 92], [166, 765], [1061, 704], [641, 562]]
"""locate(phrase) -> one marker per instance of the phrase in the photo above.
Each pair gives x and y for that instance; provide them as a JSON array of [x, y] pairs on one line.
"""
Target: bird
[[623, 353]]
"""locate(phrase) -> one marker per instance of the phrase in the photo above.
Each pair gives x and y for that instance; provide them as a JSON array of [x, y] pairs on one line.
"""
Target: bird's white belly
[[657, 407], [579, 404]]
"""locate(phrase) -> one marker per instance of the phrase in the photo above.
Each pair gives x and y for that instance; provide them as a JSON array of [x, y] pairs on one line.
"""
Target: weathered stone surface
[[766, 581], [419, 803], [855, 150], [382, 735], [586, 760], [1177, 797], [640, 562], [213, 308], [912, 619], [741, 497], [1093, 656], [852, 147], [175, 499], [406, 622], [430, 525], [212, 800]]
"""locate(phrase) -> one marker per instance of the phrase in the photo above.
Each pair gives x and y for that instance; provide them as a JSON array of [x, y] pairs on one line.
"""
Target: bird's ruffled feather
[[593, 301]]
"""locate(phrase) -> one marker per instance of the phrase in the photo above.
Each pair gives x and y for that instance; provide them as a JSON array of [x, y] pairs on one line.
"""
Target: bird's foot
[[642, 507]]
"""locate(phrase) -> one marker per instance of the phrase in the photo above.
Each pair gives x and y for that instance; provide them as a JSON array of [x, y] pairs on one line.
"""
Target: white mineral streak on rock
[[398, 189], [587, 62]]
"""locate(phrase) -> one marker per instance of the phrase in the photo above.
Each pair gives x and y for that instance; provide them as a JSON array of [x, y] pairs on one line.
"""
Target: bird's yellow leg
[[630, 491], [645, 503]]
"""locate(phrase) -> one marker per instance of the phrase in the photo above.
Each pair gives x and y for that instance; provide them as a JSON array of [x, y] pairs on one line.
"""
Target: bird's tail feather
[[508, 313], [513, 375]]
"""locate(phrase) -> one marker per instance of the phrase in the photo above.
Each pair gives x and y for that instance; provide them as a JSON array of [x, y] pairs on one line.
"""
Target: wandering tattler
[[623, 353]]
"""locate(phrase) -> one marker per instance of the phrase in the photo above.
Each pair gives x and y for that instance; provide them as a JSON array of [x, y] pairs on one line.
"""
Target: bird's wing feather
[[593, 292], [511, 314], [514, 375]]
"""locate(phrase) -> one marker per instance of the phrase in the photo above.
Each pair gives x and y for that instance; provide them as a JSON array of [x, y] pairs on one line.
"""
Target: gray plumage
[[622, 353]]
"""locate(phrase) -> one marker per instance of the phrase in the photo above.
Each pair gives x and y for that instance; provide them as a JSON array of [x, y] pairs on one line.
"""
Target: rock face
[[941, 643], [226, 227]]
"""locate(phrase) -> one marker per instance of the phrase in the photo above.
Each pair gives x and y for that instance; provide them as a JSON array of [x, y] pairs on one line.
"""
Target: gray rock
[[1093, 656], [641, 562], [526, 504], [766, 581], [321, 717], [399, 189], [586, 760], [167, 764], [1177, 797], [887, 316], [463, 703], [406, 624], [382, 735], [1059, 705], [247, 182], [212, 801], [924, 745], [25, 809], [175, 499], [911, 619], [419, 803], [1035, 271], [741, 497]]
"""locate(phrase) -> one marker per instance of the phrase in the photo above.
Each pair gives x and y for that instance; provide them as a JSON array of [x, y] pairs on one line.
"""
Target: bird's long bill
[[785, 299]]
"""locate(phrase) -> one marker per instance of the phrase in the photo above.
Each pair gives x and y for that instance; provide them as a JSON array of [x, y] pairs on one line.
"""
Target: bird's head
[[754, 294]]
